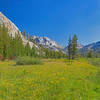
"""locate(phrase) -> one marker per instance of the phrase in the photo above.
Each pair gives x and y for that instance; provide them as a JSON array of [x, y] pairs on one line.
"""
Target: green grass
[[54, 80], [94, 61]]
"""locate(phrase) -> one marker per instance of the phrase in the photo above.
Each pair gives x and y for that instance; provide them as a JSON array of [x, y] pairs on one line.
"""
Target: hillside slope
[[44, 41], [95, 47], [12, 28]]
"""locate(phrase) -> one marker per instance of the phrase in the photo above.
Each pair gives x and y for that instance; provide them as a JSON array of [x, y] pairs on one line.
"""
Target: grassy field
[[53, 80]]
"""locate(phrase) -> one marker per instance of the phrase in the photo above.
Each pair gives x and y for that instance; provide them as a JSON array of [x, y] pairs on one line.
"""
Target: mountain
[[95, 47], [12, 28], [47, 43], [44, 41], [80, 46], [40, 41]]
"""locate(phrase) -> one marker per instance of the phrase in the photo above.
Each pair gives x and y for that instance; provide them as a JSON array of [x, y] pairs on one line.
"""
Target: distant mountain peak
[[47, 42], [79, 46], [95, 47]]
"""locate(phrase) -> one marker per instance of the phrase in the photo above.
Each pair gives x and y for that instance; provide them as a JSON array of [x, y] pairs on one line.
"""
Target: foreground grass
[[94, 61], [54, 80]]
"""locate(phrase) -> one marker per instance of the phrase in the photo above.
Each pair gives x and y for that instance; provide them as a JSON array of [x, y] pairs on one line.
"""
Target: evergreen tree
[[47, 53], [18, 45], [4, 41], [74, 47], [70, 49], [28, 37], [24, 33], [11, 50], [33, 52], [28, 49], [90, 54]]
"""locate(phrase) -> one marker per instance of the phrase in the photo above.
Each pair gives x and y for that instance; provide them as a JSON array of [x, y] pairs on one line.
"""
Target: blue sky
[[56, 19]]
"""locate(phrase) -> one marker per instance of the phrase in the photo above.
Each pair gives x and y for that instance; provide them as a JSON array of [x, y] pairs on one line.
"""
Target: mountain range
[[95, 47], [47, 43], [44, 41]]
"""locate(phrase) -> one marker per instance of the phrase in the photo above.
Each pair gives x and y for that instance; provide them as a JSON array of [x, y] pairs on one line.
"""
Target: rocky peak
[[46, 42], [12, 28], [80, 46]]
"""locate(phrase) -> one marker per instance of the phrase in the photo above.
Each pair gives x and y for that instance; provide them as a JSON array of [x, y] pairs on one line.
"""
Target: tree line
[[12, 47]]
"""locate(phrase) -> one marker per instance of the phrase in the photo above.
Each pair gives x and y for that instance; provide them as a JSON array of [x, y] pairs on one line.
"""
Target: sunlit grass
[[54, 80]]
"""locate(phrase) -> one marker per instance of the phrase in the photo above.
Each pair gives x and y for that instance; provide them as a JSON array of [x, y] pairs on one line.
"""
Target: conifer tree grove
[[72, 48], [4, 41], [33, 52], [12, 47]]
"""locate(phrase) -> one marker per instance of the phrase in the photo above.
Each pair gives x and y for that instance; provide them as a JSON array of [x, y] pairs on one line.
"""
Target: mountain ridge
[[95, 47], [44, 41], [13, 30], [47, 43]]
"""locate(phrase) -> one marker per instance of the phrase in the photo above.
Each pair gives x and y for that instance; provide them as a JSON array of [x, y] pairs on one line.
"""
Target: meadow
[[52, 80]]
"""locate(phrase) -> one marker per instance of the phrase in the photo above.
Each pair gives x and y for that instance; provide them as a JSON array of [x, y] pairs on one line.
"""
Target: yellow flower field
[[53, 80]]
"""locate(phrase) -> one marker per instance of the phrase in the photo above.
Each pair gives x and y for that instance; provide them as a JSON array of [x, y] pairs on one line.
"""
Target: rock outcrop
[[12, 28], [47, 43]]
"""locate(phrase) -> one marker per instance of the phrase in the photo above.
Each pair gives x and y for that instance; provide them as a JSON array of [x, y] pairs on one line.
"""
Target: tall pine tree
[[28, 49], [74, 47], [70, 49]]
